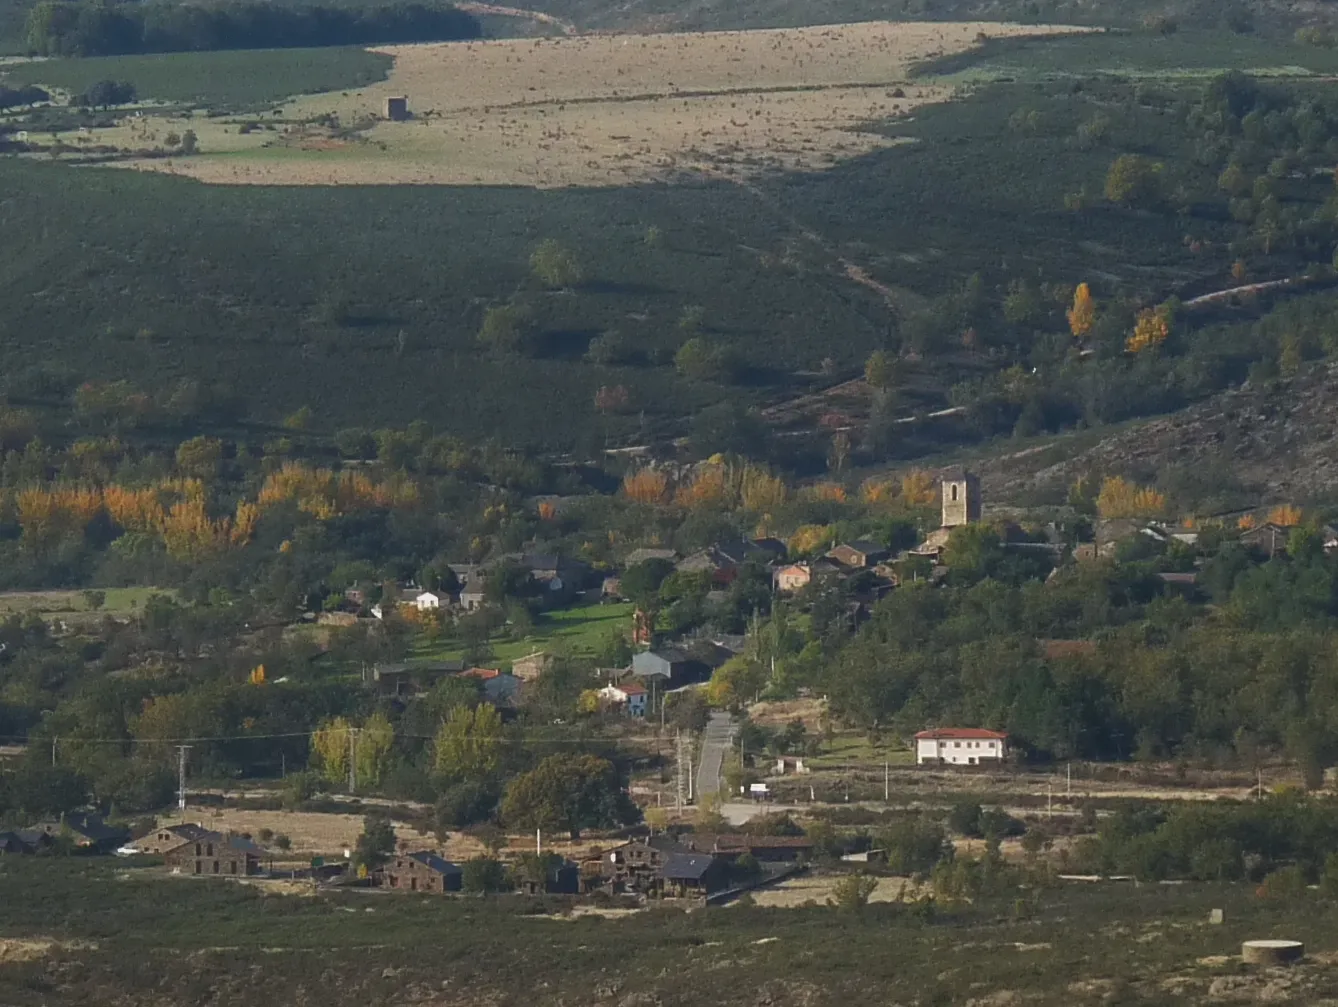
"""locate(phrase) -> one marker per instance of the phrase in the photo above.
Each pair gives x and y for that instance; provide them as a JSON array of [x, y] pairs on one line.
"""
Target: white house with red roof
[[629, 696], [960, 746]]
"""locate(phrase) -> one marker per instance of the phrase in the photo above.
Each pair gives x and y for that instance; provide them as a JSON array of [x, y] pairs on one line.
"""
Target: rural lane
[[716, 742]]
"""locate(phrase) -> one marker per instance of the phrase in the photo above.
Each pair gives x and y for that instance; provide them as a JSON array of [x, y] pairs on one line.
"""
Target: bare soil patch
[[614, 109]]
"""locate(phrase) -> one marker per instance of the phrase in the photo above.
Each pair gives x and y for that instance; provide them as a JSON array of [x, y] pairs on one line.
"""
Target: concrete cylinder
[[1271, 952]]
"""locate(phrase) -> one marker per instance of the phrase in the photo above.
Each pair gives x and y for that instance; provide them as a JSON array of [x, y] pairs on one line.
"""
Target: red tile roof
[[961, 734]]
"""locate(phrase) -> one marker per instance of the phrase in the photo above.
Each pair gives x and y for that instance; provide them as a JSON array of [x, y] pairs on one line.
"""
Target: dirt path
[[1249, 288], [566, 27]]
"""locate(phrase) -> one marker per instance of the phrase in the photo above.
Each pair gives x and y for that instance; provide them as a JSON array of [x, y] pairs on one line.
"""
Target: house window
[[209, 850], [197, 849], [954, 492], [956, 744]]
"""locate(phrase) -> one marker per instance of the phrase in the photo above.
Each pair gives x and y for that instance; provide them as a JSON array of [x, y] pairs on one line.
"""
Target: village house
[[24, 841], [422, 871], [628, 697], [765, 849], [87, 831], [670, 667], [225, 854], [562, 877], [164, 838], [402, 679], [684, 875], [662, 867], [531, 666], [960, 746], [859, 555], [792, 577], [472, 597], [1268, 540], [430, 601]]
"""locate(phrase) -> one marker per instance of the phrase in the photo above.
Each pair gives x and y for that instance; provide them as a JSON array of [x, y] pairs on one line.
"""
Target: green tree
[[1134, 180], [568, 793], [852, 893], [555, 266], [469, 743], [376, 842], [702, 360], [506, 328], [483, 875], [880, 370]]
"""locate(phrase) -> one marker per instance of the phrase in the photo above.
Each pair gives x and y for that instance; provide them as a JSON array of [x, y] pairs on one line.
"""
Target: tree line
[[64, 28]]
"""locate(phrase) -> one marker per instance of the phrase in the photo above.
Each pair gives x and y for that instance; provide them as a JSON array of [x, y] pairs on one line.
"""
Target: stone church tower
[[961, 498]]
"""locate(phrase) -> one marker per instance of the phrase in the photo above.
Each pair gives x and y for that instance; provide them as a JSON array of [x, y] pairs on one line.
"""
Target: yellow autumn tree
[[372, 746], [1120, 498], [809, 538], [468, 743], [646, 486], [1285, 516], [1151, 329], [1082, 315], [827, 492], [878, 491], [330, 749], [760, 491]]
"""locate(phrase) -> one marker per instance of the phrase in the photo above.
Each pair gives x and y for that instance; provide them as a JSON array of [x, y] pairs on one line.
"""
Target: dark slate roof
[[667, 843], [92, 827], [686, 866], [233, 841], [867, 546], [435, 863], [188, 831], [12, 841]]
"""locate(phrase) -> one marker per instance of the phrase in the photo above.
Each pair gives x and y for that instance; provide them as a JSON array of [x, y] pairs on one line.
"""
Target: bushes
[[60, 28]]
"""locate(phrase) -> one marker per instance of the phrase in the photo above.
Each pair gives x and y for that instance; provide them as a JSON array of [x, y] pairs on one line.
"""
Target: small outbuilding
[[397, 108]]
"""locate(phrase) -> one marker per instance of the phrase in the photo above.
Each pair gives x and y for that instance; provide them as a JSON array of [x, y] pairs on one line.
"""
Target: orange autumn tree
[[710, 486], [1246, 522], [878, 491], [1285, 516], [827, 492], [1082, 316], [646, 486]]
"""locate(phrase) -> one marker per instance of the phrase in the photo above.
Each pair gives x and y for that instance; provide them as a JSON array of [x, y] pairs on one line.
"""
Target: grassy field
[[74, 605], [587, 110], [97, 932], [232, 80], [579, 631]]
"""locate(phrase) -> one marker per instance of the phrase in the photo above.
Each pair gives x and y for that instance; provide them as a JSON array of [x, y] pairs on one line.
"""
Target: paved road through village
[[716, 742]]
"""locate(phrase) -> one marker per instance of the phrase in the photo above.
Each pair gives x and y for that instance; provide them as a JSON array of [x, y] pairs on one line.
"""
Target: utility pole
[[690, 767], [678, 771], [352, 760], [181, 776], [887, 783], [538, 842], [53, 752], [1068, 773], [1050, 798]]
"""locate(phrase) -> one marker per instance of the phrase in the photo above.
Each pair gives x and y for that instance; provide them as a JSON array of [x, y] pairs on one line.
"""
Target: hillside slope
[[1270, 442]]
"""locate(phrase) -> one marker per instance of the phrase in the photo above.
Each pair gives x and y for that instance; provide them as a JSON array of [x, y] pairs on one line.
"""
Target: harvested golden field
[[805, 888], [600, 109]]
